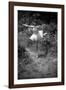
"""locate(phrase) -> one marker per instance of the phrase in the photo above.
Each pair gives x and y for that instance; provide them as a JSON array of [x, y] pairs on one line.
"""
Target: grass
[[30, 65]]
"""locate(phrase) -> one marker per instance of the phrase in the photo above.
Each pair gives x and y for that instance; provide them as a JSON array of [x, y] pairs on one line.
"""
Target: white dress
[[33, 37], [36, 36]]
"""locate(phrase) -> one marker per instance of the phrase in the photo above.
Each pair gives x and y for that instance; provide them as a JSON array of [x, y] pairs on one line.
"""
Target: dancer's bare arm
[[28, 25]]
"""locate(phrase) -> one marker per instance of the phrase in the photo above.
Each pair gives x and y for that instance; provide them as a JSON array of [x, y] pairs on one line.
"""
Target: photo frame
[[36, 44]]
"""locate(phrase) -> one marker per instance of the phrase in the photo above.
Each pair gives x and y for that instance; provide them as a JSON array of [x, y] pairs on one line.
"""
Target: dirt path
[[40, 67]]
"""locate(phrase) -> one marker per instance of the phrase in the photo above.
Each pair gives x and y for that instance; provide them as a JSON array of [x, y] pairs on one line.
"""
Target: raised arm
[[27, 25]]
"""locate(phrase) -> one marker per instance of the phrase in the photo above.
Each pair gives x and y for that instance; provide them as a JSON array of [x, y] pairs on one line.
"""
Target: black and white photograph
[[36, 44]]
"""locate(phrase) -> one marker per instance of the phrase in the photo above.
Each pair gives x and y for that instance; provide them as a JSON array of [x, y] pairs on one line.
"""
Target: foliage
[[27, 67]]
